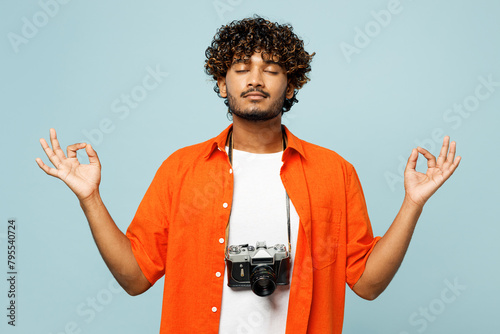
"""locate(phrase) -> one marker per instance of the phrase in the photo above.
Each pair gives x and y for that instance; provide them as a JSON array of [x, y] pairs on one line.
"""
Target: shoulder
[[323, 166], [322, 157], [191, 151], [316, 157], [186, 157]]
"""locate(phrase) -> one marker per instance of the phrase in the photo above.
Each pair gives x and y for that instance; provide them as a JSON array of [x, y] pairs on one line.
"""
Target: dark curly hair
[[241, 39]]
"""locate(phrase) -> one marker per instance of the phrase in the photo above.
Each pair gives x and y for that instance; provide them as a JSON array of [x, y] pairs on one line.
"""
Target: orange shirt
[[179, 230]]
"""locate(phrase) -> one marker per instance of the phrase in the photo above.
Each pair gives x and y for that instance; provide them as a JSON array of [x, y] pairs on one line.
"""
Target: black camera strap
[[230, 155]]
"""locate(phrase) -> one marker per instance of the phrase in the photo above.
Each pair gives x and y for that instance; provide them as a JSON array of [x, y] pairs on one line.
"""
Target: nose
[[255, 79]]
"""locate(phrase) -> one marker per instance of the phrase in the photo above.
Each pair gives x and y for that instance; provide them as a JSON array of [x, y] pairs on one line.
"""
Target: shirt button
[[218, 274], [214, 309], [221, 240], [225, 205], [231, 171]]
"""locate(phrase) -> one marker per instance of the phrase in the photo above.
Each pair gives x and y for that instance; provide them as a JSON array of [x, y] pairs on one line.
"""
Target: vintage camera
[[259, 267]]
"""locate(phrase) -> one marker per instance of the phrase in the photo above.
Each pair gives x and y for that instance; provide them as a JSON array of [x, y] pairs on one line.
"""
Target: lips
[[255, 95]]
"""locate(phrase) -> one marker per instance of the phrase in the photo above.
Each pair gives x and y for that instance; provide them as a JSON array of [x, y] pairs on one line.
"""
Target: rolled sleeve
[[148, 231], [360, 239]]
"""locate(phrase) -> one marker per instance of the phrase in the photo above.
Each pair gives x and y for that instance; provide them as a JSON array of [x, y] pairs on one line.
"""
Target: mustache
[[251, 90]]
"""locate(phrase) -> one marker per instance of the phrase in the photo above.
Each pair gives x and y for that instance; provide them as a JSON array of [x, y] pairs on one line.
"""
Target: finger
[[444, 150], [431, 160], [48, 170], [92, 154], [454, 164], [451, 155], [412, 160], [450, 158], [55, 145], [71, 149], [50, 154], [451, 169]]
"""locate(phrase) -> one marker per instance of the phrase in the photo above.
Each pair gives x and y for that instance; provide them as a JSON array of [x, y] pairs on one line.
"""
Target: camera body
[[259, 267]]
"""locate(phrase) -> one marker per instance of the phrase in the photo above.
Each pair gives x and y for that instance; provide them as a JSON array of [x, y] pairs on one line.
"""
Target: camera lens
[[263, 281]]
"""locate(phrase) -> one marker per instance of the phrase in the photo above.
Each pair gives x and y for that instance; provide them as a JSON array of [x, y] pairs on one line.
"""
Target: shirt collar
[[293, 142], [219, 142]]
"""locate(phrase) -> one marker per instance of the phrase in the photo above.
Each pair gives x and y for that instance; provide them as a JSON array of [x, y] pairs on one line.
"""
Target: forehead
[[264, 57]]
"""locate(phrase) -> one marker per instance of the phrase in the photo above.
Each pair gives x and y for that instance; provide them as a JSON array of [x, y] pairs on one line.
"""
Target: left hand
[[419, 187]]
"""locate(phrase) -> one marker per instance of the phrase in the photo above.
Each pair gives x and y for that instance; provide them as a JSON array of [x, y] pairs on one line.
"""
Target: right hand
[[83, 180]]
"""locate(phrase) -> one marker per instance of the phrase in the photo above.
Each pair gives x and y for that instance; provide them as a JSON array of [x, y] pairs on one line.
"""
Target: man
[[242, 179]]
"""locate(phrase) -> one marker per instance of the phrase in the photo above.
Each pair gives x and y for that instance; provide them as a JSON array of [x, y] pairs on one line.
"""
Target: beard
[[255, 112]]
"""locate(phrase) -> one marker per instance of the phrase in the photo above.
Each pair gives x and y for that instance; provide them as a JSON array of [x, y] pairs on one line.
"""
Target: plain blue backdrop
[[387, 76]]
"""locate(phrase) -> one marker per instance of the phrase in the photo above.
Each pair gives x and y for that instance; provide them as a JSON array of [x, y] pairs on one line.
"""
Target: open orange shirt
[[179, 230]]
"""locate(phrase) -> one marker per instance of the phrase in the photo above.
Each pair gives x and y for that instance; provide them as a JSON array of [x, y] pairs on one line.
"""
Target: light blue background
[[373, 110]]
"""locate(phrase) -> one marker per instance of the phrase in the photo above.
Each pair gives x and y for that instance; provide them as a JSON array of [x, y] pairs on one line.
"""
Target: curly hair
[[241, 39]]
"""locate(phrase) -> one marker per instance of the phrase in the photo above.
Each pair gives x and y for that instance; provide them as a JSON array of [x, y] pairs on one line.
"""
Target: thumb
[[412, 161]]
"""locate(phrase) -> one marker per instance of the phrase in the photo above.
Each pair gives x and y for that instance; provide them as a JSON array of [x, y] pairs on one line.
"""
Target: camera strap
[[230, 155]]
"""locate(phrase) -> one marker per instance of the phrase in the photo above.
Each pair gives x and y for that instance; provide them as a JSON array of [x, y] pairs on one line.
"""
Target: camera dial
[[280, 247], [234, 249]]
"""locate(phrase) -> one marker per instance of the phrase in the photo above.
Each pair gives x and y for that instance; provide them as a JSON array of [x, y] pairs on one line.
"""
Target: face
[[255, 88]]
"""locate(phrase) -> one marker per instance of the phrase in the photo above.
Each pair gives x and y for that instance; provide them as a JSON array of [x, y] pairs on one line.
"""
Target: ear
[[221, 82], [290, 89]]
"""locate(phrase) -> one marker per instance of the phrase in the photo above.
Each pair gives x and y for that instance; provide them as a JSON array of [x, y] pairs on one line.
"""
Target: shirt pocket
[[325, 236]]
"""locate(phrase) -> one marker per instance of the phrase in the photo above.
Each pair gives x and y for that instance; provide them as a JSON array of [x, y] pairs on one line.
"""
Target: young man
[[254, 182]]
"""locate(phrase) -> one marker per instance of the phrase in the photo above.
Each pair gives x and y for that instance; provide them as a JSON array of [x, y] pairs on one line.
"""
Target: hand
[[83, 180], [419, 187]]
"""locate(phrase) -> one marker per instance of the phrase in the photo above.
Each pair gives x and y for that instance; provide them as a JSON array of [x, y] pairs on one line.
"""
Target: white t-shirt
[[258, 213]]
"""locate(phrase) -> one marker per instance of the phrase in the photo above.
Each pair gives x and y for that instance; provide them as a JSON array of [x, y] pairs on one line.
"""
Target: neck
[[257, 136]]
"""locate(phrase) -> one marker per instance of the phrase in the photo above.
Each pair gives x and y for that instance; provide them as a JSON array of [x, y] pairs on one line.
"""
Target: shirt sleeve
[[360, 240], [148, 231]]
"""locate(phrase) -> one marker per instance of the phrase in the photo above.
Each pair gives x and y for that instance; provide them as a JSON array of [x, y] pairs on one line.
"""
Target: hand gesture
[[83, 180], [419, 187]]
